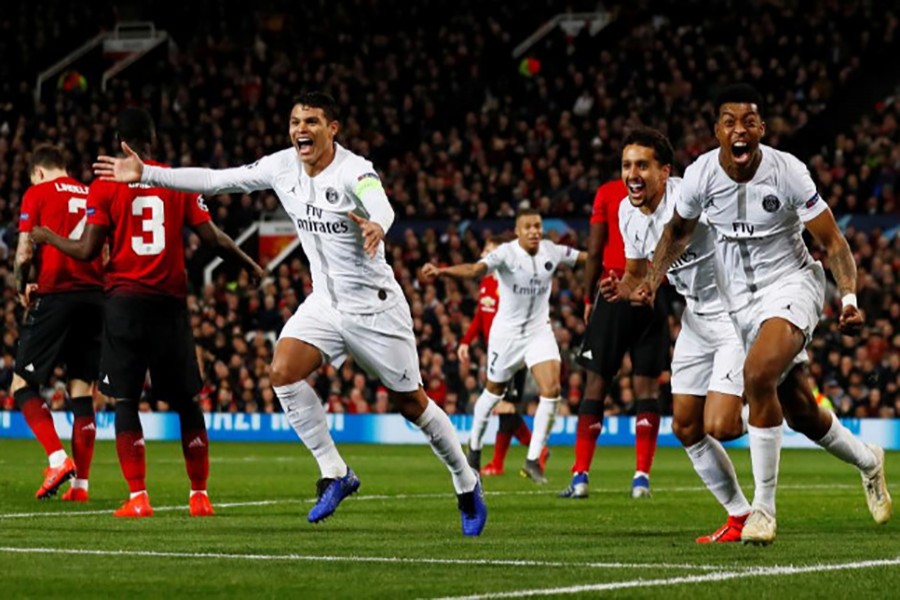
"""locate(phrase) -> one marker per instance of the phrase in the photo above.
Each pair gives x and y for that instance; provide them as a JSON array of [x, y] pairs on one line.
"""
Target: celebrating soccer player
[[521, 333], [757, 200], [706, 368], [341, 212]]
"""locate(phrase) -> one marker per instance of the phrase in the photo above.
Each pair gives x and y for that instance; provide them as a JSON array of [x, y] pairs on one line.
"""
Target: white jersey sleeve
[[363, 183], [248, 178], [690, 201], [801, 192], [496, 258], [565, 255]]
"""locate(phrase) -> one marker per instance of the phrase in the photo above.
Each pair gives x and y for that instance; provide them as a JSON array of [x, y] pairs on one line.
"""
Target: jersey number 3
[[154, 224]]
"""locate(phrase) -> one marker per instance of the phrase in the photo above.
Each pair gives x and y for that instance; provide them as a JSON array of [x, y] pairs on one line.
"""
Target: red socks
[[84, 432], [646, 431], [586, 434], [39, 418], [132, 458], [195, 446]]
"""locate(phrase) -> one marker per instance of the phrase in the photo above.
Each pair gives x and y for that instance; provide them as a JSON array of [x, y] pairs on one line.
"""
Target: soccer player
[[341, 212], [706, 368], [758, 200], [511, 422], [146, 323], [612, 330], [521, 333], [65, 316]]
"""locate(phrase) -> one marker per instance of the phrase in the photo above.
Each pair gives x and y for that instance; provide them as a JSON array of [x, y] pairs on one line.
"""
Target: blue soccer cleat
[[472, 510], [330, 493], [578, 488], [640, 486]]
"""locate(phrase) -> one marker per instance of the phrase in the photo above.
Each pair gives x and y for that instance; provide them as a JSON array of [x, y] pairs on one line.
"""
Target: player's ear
[[334, 126]]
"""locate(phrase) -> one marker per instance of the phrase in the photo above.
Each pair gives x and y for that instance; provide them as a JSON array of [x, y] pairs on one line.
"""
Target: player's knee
[[550, 391], [687, 431], [758, 380], [280, 374], [18, 383], [593, 388], [724, 428]]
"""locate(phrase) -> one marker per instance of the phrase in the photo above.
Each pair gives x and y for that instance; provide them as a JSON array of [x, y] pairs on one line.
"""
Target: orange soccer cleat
[[75, 495], [545, 455], [201, 506], [492, 469], [729, 532], [136, 508], [54, 477]]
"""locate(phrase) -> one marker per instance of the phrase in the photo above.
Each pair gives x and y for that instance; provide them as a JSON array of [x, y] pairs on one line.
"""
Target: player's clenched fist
[[430, 271], [851, 320], [643, 294]]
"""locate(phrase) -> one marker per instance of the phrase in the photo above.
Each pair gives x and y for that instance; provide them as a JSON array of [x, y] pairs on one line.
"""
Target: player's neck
[[650, 207], [742, 173], [531, 252], [322, 163]]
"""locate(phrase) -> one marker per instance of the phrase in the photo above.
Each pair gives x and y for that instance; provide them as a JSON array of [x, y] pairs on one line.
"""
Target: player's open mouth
[[304, 145], [636, 187], [740, 151]]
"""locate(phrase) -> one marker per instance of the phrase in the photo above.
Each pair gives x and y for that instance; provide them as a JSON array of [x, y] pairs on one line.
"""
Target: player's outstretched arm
[[225, 248], [826, 232], [87, 247], [671, 245], [463, 271], [127, 169]]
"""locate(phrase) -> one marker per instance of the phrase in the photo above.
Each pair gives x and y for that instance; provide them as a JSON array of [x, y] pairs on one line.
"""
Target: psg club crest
[[771, 203], [331, 195], [548, 265]]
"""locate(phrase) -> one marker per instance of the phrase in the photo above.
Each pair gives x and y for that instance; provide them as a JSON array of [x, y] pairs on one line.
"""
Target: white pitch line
[[688, 579], [362, 559], [370, 497]]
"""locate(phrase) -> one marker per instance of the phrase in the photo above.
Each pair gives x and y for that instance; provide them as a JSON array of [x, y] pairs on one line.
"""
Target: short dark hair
[[739, 93], [652, 138], [135, 127], [321, 100], [527, 212], [48, 156]]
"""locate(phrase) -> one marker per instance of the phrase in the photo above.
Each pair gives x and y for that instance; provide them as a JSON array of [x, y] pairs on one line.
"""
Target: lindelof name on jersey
[[71, 188], [141, 186], [314, 222]]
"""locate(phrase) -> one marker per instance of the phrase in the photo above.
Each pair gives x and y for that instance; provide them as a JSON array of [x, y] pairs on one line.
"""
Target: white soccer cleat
[[877, 496], [759, 529]]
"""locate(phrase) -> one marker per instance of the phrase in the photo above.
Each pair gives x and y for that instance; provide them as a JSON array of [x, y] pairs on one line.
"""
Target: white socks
[[306, 415], [716, 470], [841, 443], [482, 413], [543, 422], [441, 434], [765, 452], [57, 458], [80, 484]]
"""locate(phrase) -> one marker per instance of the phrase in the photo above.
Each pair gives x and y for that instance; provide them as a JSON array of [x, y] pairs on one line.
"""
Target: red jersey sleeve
[[196, 211], [28, 215], [99, 197], [474, 327], [598, 214]]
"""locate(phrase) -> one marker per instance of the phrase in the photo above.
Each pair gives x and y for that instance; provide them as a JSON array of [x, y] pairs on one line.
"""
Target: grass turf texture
[[406, 510]]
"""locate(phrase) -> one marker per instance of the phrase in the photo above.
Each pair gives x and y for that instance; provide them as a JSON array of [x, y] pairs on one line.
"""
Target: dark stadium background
[[462, 134]]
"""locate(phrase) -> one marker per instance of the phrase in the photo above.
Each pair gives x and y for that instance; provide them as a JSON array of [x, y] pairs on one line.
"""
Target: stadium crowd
[[459, 132]]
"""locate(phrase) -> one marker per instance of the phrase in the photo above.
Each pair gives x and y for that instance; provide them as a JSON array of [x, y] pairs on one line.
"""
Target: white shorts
[[507, 351], [798, 298], [383, 344], [709, 356]]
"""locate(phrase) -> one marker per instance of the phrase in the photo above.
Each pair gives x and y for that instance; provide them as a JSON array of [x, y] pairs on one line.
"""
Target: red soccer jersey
[[488, 302], [146, 226], [606, 210], [59, 205]]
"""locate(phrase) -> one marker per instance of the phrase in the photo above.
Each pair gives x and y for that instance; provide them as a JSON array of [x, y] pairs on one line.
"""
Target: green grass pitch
[[400, 537]]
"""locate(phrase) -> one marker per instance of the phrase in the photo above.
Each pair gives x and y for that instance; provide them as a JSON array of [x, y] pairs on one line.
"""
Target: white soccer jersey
[[318, 206], [524, 283], [694, 273], [758, 224]]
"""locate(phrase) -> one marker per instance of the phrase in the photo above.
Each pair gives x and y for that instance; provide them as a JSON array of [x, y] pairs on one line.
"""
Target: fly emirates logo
[[534, 288], [314, 222]]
